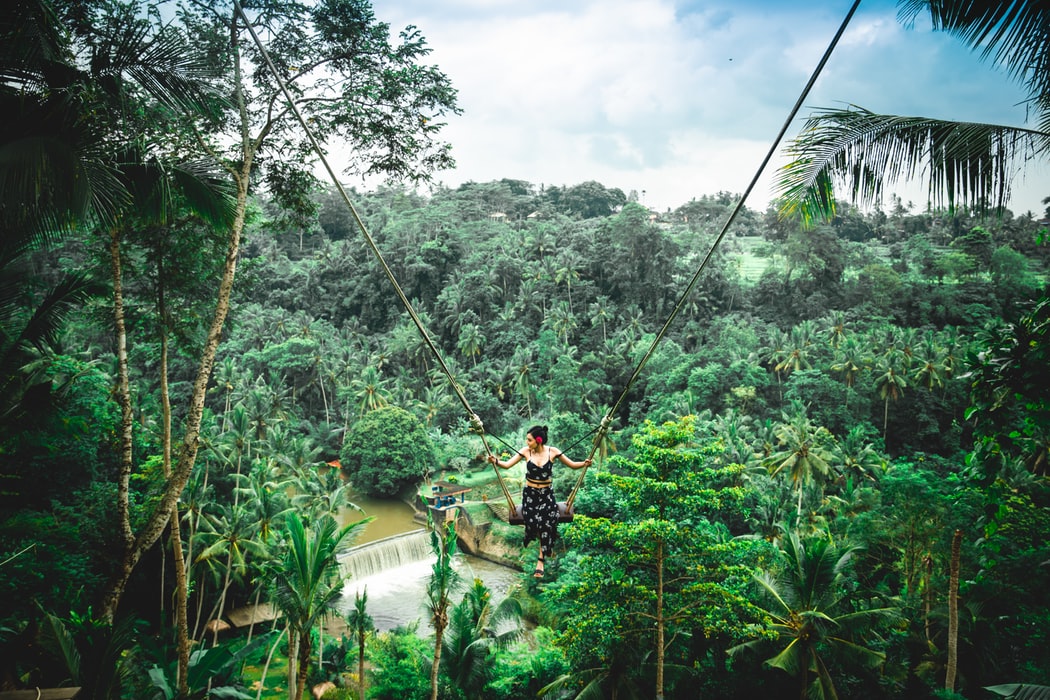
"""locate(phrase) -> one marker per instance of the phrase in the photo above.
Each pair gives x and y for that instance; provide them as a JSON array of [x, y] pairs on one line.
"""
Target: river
[[399, 563]]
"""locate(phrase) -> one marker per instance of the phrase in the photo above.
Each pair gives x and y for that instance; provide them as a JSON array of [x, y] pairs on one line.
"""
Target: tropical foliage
[[964, 163], [784, 479]]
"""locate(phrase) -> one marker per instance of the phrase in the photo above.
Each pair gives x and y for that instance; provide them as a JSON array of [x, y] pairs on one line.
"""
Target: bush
[[401, 666], [385, 451], [524, 668]]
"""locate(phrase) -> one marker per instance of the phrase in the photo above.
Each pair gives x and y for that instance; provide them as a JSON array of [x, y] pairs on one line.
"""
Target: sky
[[676, 99]]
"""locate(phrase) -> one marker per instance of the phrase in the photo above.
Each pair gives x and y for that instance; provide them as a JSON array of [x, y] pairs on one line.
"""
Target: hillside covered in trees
[[830, 480], [821, 382]]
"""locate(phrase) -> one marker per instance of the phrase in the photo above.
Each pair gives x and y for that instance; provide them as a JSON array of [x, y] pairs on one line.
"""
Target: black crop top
[[537, 472]]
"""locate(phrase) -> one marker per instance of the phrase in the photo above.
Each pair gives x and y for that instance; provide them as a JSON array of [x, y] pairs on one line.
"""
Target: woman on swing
[[539, 510]]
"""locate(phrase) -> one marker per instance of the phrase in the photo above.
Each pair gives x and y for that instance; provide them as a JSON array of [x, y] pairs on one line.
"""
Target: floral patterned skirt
[[539, 510]]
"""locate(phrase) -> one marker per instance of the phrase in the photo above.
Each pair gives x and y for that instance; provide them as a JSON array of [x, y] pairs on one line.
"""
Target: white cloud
[[679, 99]]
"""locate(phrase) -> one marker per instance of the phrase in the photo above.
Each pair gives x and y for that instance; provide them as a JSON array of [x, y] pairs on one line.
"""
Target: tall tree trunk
[[304, 664], [182, 621], [123, 395], [199, 612], [255, 611], [885, 417], [324, 398], [660, 621], [953, 614], [182, 639], [361, 665], [269, 658], [293, 655], [439, 634], [927, 593], [195, 520], [222, 596], [135, 547], [187, 453]]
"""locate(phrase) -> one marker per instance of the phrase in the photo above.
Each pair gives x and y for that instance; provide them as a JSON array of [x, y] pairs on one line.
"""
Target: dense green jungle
[[804, 443], [821, 473]]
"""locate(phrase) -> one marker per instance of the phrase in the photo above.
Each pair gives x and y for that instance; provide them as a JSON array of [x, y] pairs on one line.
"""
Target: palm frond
[[775, 591], [961, 162], [207, 191], [49, 182], [48, 318], [860, 653], [792, 658], [58, 635], [1014, 35], [1020, 691], [593, 689], [162, 65]]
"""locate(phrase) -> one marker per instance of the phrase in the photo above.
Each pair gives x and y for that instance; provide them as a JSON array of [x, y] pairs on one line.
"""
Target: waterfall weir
[[386, 554], [394, 572]]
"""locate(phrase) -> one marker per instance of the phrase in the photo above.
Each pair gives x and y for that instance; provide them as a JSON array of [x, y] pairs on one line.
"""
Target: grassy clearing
[[276, 687], [755, 259]]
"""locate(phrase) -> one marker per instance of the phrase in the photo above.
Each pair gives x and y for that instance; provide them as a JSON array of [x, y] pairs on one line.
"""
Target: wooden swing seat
[[566, 512]]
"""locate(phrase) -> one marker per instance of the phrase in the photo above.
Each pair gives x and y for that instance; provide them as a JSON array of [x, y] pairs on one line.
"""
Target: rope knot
[[476, 424]]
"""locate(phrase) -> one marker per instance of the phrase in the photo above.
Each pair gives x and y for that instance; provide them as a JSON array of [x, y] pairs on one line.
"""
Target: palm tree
[[966, 162], [268, 503], [435, 398], [267, 498], [369, 390], [931, 369], [440, 586], [796, 353], [836, 331], [360, 625], [473, 633], [76, 155], [734, 432], [562, 321], [775, 351], [470, 341], [259, 402], [568, 272], [407, 339], [954, 348], [850, 360], [453, 302], [804, 450], [522, 360], [227, 377], [904, 343], [320, 495], [809, 606], [309, 584], [891, 382], [231, 535], [497, 379], [600, 314], [858, 456], [31, 329], [528, 301]]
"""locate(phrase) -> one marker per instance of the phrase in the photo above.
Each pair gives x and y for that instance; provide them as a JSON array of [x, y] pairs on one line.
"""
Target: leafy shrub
[[385, 451]]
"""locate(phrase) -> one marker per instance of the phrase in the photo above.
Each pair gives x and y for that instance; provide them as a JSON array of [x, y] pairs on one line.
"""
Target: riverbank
[[481, 527]]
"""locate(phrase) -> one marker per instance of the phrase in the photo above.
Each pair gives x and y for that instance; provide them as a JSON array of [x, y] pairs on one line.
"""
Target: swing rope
[[606, 421], [603, 429], [475, 420]]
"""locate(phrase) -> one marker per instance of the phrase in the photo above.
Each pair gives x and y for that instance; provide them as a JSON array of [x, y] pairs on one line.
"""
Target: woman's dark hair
[[538, 433]]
